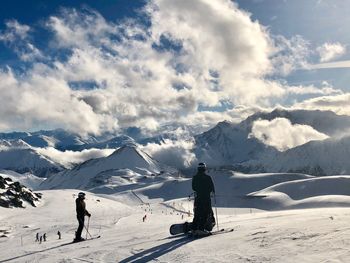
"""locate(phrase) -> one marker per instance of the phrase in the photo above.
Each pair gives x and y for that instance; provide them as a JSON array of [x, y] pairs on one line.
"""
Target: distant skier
[[44, 237], [59, 234], [81, 213], [41, 239], [203, 186], [37, 237]]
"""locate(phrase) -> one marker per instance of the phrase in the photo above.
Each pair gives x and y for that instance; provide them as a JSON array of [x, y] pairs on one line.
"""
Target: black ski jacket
[[80, 208], [203, 185]]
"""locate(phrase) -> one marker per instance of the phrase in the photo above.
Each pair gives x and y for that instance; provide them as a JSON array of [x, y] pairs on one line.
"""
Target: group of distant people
[[42, 238]]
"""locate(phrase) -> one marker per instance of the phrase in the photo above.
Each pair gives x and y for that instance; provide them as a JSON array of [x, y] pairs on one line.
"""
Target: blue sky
[[95, 66]]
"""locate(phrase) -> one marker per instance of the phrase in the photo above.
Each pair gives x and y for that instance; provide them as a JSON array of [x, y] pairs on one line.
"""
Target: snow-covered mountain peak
[[127, 161], [132, 155]]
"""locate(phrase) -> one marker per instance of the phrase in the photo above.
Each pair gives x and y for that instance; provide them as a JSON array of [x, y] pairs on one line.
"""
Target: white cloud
[[330, 51], [339, 104], [16, 36], [70, 158], [290, 54], [120, 75], [336, 64], [14, 31], [325, 89], [174, 153], [283, 135]]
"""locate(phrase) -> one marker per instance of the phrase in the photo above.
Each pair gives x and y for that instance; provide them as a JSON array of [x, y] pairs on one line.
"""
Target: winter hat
[[202, 167], [81, 195]]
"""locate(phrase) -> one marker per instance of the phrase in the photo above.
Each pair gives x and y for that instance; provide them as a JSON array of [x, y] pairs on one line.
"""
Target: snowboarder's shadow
[[155, 252]]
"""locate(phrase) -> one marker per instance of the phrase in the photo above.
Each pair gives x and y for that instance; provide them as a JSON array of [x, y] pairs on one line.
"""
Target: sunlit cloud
[[339, 104], [190, 54], [174, 153], [330, 51], [283, 135], [71, 158]]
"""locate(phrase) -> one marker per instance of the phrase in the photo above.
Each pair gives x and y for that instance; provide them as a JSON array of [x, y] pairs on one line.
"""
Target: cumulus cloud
[[70, 158], [174, 153], [283, 135], [115, 75], [330, 51]]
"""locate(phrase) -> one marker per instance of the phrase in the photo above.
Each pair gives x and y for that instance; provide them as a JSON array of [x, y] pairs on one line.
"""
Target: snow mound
[[313, 192]]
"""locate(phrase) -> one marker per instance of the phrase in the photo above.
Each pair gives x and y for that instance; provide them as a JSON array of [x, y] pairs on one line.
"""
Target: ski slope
[[316, 234]]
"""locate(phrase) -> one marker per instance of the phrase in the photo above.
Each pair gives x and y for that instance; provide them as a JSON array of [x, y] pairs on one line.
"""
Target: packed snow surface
[[319, 233]]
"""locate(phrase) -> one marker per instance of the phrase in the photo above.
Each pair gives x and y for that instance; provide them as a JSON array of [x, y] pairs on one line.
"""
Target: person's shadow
[[155, 252]]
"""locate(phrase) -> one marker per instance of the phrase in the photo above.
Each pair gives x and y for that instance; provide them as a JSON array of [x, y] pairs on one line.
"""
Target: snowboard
[[213, 233], [182, 228]]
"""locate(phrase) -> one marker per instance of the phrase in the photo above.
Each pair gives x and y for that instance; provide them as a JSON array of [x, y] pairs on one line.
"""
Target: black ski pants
[[80, 227], [202, 211]]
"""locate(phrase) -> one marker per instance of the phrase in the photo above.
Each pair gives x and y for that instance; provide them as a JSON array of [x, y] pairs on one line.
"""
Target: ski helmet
[[202, 167], [81, 195]]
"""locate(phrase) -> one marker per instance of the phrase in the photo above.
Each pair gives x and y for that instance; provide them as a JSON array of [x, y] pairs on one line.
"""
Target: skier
[[203, 186], [81, 213], [59, 234], [37, 237], [44, 237]]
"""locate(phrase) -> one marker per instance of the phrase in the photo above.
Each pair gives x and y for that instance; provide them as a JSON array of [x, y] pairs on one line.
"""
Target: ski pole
[[87, 229], [87, 232], [216, 212]]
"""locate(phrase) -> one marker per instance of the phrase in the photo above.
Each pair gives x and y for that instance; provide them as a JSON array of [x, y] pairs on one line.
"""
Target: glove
[[89, 215]]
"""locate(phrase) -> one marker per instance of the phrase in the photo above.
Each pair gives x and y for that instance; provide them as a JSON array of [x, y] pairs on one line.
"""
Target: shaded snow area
[[264, 210]]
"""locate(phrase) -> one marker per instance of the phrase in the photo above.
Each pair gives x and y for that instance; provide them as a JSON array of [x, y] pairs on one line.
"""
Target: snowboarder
[[203, 186], [59, 234], [81, 213]]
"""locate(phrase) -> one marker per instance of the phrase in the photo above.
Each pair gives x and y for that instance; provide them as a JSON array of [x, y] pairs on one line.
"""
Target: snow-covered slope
[[307, 235], [228, 143], [18, 156], [58, 138], [128, 165], [112, 143], [327, 157], [328, 191]]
